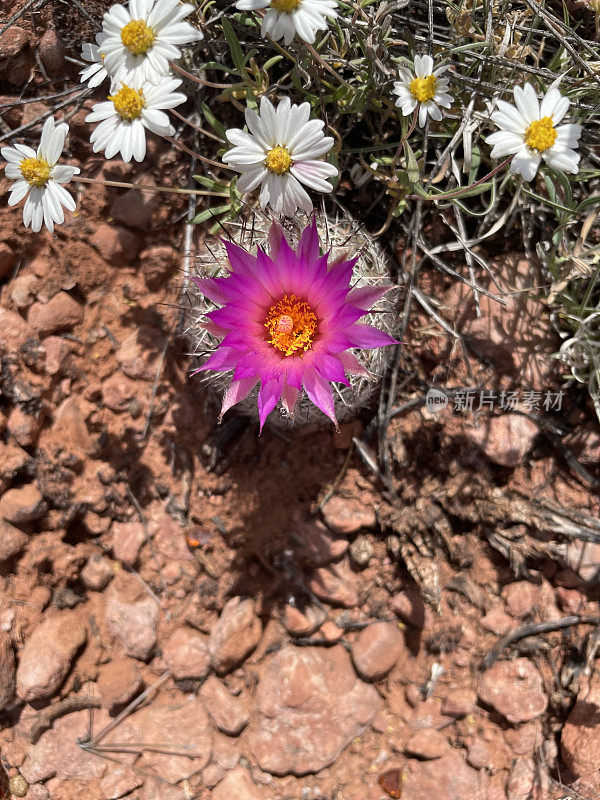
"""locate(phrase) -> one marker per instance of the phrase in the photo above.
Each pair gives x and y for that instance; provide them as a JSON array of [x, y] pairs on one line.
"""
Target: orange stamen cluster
[[137, 37], [291, 324], [541, 134], [36, 171], [285, 6]]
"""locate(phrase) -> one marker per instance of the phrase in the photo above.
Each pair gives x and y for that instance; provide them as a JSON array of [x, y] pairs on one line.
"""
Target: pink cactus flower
[[289, 321]]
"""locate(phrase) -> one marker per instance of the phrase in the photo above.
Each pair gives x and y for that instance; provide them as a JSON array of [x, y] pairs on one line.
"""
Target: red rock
[[46, 659], [580, 737], [335, 585], [446, 778], [348, 516], [69, 431], [331, 632], [22, 505], [116, 244], [497, 620], [377, 649], [118, 392], [239, 785], [24, 427], [309, 706], [229, 713], [479, 754], [119, 781], [127, 539], [515, 689], [584, 441], [132, 617], [318, 547], [409, 606], [158, 262], [13, 41], [12, 543], [58, 754], [119, 681], [183, 725], [23, 290], [186, 654], [8, 259], [495, 788], [136, 208], [584, 558], [302, 623], [459, 702], [521, 597], [427, 743], [57, 349], [97, 573], [14, 331], [587, 786], [12, 459], [141, 353], [60, 313], [521, 779], [19, 69], [52, 53], [361, 551], [571, 601], [524, 739], [7, 670], [505, 439], [235, 635]]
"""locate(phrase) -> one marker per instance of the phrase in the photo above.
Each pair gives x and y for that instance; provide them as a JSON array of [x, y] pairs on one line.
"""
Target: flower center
[[540, 135], [423, 89], [285, 6], [292, 325], [137, 37], [278, 160], [128, 102], [36, 171]]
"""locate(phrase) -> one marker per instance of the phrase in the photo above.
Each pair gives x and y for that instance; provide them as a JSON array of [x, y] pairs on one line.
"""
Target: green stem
[[463, 189], [146, 187]]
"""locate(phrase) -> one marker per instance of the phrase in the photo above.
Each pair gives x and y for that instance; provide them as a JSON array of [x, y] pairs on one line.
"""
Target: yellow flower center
[[540, 135], [292, 325], [137, 37], [285, 6], [128, 102], [278, 160], [36, 171], [423, 89]]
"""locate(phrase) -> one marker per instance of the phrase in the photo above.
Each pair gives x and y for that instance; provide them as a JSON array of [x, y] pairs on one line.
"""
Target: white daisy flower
[[423, 88], [286, 18], [128, 112], [140, 40], [96, 72], [39, 178], [530, 131], [279, 154]]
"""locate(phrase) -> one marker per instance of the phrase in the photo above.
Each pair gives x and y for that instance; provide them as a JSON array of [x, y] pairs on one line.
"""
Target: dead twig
[[72, 703], [534, 629]]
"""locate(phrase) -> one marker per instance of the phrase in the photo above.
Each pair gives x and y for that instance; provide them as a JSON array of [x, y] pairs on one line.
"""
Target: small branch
[[534, 629], [146, 187], [72, 703], [463, 189]]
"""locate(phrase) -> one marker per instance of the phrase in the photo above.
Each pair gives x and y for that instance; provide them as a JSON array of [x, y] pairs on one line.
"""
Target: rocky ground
[[188, 610]]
